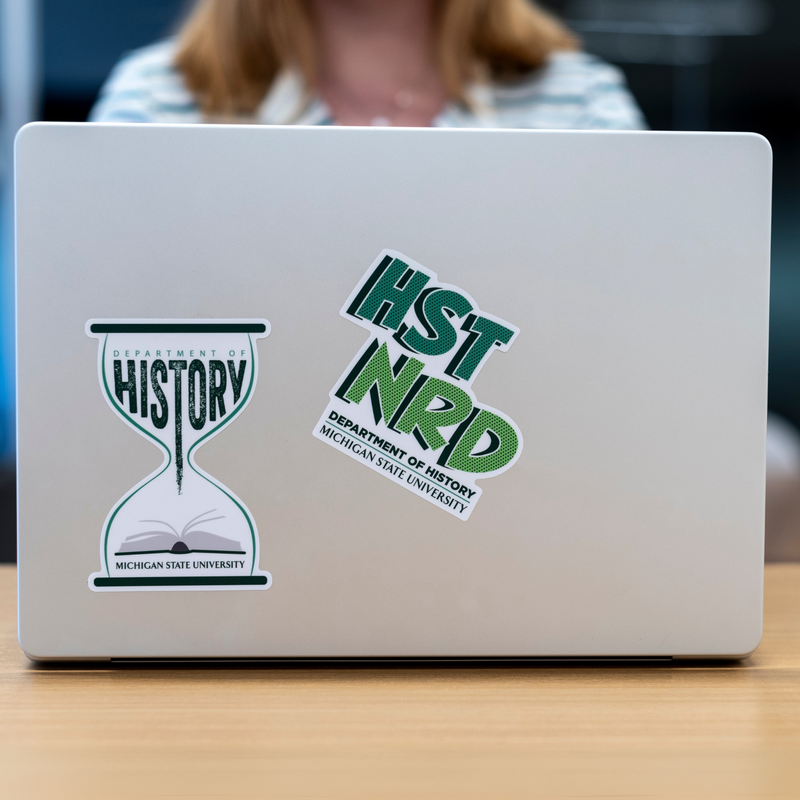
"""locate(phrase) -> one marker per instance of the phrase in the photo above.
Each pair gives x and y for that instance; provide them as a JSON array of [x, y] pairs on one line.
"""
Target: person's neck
[[377, 61]]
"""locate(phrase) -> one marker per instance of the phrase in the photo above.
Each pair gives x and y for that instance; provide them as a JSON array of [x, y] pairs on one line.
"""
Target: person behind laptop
[[448, 63]]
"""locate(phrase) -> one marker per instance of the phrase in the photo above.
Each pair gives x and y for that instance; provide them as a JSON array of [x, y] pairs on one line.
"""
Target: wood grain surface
[[691, 730]]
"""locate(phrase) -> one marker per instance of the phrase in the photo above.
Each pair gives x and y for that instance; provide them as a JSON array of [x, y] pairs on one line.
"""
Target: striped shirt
[[571, 91]]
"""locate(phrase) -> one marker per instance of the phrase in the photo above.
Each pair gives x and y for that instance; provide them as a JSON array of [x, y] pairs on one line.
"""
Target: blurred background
[[720, 65]]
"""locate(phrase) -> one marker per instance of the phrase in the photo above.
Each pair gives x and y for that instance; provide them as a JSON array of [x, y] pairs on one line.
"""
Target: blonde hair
[[230, 51]]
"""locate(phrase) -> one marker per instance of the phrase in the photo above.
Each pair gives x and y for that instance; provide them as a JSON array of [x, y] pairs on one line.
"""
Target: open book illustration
[[190, 539]]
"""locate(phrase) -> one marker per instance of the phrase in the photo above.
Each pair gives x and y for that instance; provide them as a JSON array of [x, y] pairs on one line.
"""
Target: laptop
[[333, 393]]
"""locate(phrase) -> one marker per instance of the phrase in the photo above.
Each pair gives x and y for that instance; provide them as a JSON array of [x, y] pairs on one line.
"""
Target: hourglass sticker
[[178, 383]]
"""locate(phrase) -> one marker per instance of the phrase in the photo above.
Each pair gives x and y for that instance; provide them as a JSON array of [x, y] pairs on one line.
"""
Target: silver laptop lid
[[348, 392]]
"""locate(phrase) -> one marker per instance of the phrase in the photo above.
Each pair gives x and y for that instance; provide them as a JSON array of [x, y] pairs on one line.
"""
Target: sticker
[[178, 383], [404, 406]]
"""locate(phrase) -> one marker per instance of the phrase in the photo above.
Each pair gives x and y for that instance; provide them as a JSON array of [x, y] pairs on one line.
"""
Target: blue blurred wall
[[82, 39]]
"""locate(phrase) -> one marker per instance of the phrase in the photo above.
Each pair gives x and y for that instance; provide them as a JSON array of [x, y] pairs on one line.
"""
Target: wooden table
[[697, 730]]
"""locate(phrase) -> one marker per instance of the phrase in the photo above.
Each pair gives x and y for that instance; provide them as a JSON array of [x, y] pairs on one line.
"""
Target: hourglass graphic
[[178, 383]]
